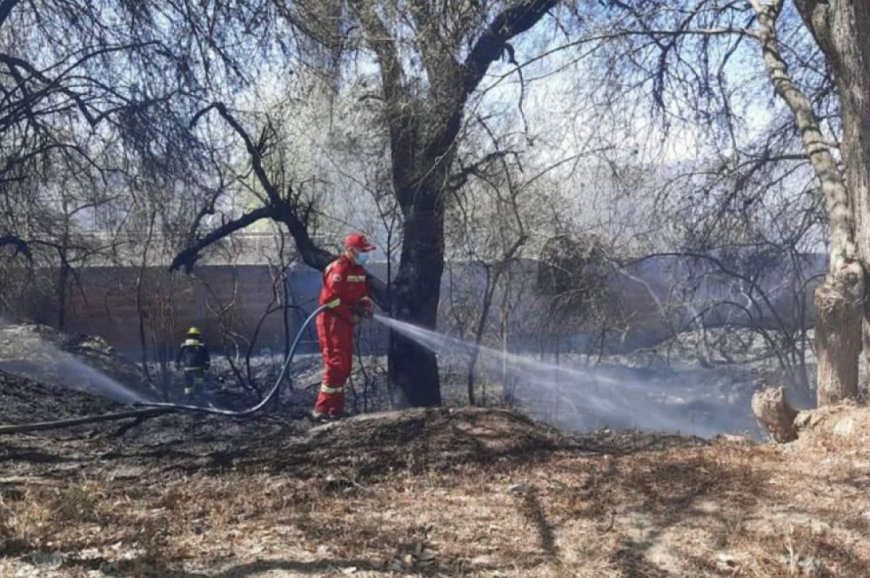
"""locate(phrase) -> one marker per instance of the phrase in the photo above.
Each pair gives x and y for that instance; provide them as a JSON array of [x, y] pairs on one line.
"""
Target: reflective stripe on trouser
[[193, 380], [330, 403], [336, 344], [326, 389]]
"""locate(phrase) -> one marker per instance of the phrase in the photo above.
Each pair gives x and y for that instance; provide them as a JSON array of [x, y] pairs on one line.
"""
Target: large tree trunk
[[847, 46], [839, 307], [423, 132], [414, 298], [840, 28]]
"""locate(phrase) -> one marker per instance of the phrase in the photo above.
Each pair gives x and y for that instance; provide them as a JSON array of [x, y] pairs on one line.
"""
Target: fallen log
[[47, 425]]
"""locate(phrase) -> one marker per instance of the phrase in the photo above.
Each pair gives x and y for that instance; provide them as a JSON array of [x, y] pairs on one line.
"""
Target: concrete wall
[[647, 303]]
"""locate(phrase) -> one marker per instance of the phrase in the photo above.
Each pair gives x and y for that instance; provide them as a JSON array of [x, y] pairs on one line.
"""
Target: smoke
[[580, 398], [24, 352]]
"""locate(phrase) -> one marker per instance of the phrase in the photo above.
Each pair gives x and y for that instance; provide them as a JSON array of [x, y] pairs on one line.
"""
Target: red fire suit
[[344, 282]]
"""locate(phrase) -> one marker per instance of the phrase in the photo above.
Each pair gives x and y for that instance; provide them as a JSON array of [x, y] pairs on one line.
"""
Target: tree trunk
[[62, 282], [847, 46], [839, 299], [415, 294], [488, 291], [838, 336]]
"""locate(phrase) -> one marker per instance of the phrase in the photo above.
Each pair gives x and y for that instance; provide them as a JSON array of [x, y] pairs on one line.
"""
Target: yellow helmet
[[194, 331]]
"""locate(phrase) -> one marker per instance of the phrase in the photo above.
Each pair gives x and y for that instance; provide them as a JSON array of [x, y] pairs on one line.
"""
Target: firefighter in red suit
[[346, 295]]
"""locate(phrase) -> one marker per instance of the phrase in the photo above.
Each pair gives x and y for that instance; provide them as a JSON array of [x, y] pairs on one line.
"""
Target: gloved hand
[[362, 310], [370, 307]]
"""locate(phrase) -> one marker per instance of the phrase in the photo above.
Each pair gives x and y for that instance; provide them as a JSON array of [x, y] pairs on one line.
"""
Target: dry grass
[[451, 494]]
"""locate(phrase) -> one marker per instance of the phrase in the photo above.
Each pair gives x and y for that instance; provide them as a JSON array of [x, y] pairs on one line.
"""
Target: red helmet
[[358, 241]]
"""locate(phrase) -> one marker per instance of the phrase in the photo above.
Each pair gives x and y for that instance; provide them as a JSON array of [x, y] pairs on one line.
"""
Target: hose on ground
[[46, 425], [266, 399]]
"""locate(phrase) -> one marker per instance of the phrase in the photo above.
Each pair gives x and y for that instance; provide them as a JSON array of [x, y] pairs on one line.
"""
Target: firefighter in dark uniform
[[194, 360]]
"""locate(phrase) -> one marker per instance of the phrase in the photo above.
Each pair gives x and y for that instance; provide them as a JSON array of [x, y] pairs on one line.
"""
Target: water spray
[[581, 398], [42, 360]]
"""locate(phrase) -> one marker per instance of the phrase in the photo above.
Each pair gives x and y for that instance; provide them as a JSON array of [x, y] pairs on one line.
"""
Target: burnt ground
[[23, 400], [444, 492], [74, 362]]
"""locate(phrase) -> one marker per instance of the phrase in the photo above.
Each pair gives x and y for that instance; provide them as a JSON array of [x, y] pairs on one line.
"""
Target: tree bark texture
[[839, 309]]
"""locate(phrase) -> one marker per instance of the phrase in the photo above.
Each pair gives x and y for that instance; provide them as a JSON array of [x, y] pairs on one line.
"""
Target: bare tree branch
[[189, 256], [492, 43], [19, 244], [277, 208]]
